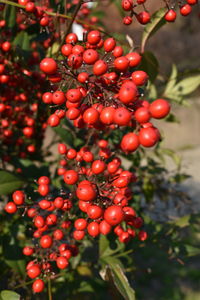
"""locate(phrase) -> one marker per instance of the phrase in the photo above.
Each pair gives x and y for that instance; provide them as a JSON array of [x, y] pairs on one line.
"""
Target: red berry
[[159, 108], [62, 262], [48, 66], [71, 38], [114, 215], [98, 166], [143, 17], [170, 15], [94, 212], [18, 197], [46, 241], [104, 227], [107, 115], [33, 271], [70, 177], [139, 77], [134, 59], [28, 251], [121, 63], [80, 224], [122, 116], [78, 235], [94, 37], [93, 229], [185, 10], [148, 137], [86, 192], [90, 56], [38, 286], [109, 44], [130, 142], [100, 67], [10, 207], [91, 116]]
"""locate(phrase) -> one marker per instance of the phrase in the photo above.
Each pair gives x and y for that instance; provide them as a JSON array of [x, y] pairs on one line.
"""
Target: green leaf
[[121, 282], [105, 249], [152, 92], [9, 182], [182, 222], [65, 135], [192, 251], [53, 49], [157, 21], [9, 295], [22, 41], [183, 88], [18, 266], [150, 65], [172, 79], [10, 16], [176, 158], [172, 118]]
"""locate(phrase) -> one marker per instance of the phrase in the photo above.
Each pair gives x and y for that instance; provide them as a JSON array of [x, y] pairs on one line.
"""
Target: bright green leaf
[[121, 282], [53, 49], [9, 182], [157, 21], [9, 295], [183, 88], [172, 79]]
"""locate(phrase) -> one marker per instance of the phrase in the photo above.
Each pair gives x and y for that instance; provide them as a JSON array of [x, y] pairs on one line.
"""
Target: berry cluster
[[103, 201], [42, 14], [184, 9], [144, 16], [51, 246], [21, 91], [99, 87]]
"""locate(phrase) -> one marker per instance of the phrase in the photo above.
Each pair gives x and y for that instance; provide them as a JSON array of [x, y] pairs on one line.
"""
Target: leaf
[[10, 16], [192, 251], [176, 158], [157, 21], [150, 65], [53, 49], [65, 135], [182, 222], [172, 79], [9, 295], [105, 249], [183, 88], [152, 92], [9, 182], [18, 266], [172, 118], [22, 41], [121, 282]]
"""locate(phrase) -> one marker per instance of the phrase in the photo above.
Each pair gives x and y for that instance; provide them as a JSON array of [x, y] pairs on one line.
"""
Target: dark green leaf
[[150, 65], [22, 41], [10, 16], [65, 135], [157, 21], [9, 182]]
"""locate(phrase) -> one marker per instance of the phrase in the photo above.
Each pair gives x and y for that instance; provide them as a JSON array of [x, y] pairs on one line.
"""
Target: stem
[[74, 16], [49, 289]]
